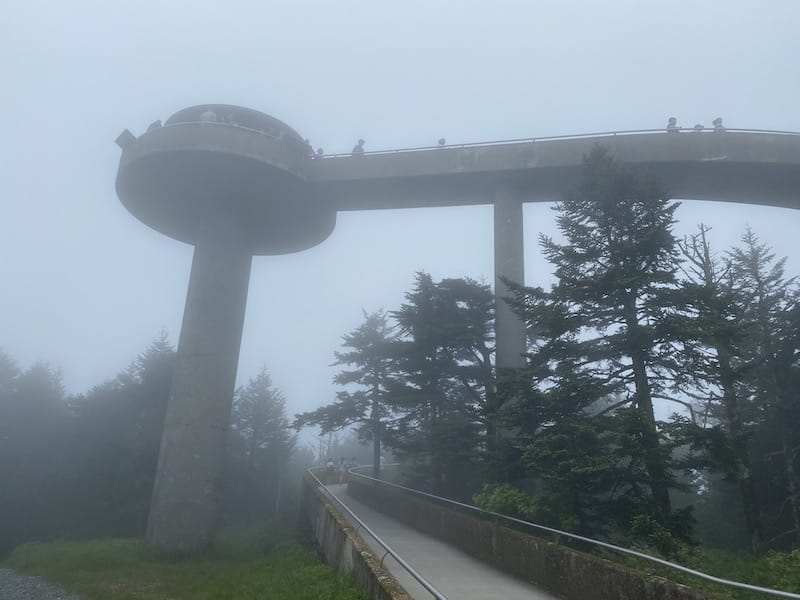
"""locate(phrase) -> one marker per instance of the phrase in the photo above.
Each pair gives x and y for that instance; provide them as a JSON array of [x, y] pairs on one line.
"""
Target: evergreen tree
[[603, 335], [368, 354], [444, 374], [770, 311], [8, 375], [259, 447], [715, 366], [34, 459], [116, 438], [619, 257]]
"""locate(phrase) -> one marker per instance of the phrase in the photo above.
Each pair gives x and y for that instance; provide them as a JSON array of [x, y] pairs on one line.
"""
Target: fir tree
[[260, 444], [771, 348], [368, 354], [444, 375], [603, 354], [712, 367]]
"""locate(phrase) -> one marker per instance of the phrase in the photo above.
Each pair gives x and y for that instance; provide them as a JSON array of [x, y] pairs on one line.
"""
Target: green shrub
[[543, 509]]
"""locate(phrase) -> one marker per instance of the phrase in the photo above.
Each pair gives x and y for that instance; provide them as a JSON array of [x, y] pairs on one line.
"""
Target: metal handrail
[[280, 138], [530, 140], [422, 581], [619, 549]]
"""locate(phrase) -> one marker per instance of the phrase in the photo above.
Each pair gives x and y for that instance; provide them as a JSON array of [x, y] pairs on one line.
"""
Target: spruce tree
[[260, 443], [770, 311], [603, 327], [444, 376], [117, 431], [712, 367], [368, 357]]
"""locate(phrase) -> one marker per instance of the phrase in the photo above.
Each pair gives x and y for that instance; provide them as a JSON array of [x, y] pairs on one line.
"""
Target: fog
[[86, 286]]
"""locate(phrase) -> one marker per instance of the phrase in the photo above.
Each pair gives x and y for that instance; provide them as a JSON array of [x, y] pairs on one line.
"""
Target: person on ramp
[[358, 149], [330, 471]]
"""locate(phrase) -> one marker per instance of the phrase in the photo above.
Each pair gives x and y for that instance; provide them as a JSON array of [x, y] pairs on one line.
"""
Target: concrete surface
[[453, 573], [754, 168], [509, 263], [563, 571], [189, 476], [342, 547]]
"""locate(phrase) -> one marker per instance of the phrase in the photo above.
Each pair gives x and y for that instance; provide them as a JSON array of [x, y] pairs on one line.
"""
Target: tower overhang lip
[[284, 153], [194, 181]]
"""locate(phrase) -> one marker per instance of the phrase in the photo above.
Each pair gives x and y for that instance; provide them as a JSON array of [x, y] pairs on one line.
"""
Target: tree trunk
[[659, 480], [791, 482], [437, 474], [492, 403], [374, 418], [278, 490], [656, 469], [733, 423]]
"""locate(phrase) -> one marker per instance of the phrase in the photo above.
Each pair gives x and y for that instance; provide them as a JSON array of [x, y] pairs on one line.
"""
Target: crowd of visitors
[[716, 125], [336, 472]]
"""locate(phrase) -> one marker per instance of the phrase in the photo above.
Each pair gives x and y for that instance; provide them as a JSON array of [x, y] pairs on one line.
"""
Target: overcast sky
[[86, 287]]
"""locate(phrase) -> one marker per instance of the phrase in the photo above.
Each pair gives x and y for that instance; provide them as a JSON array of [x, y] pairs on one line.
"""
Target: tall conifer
[[604, 315]]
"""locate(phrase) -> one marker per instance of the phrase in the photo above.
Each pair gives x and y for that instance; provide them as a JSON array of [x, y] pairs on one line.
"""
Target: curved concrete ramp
[[750, 167], [455, 574]]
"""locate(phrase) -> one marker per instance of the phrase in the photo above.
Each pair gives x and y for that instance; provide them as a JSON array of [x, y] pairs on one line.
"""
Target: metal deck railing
[[526, 140], [389, 551], [558, 532], [533, 140]]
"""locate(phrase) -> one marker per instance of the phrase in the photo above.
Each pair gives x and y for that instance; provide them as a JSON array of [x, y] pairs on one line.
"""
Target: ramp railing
[[618, 549], [388, 550]]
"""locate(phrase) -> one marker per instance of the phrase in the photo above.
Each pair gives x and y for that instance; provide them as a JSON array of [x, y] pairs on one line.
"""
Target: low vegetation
[[774, 570], [242, 566]]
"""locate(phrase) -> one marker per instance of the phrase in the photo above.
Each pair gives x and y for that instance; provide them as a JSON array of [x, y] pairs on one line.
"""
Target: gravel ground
[[24, 587]]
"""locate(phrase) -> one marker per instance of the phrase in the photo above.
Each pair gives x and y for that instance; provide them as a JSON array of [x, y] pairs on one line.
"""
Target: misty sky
[[86, 286]]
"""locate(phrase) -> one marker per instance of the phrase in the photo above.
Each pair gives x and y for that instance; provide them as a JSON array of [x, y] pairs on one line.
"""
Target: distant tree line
[[83, 466], [636, 319]]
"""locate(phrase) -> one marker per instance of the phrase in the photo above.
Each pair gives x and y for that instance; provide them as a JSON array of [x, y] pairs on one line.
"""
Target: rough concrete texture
[[565, 572], [509, 264], [188, 481], [344, 549]]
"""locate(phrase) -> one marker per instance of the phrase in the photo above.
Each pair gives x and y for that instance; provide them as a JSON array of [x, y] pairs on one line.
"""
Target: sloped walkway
[[455, 574]]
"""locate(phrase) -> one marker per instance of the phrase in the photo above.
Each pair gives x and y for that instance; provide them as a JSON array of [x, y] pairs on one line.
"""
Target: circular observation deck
[[222, 172]]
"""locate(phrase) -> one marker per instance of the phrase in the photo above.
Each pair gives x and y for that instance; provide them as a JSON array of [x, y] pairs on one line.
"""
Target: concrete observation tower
[[236, 183], [233, 189]]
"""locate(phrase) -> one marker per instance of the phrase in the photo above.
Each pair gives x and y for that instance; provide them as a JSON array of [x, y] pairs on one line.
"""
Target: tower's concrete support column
[[186, 494], [509, 263]]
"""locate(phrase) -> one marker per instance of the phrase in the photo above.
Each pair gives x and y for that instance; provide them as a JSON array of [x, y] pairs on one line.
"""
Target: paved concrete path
[[455, 574]]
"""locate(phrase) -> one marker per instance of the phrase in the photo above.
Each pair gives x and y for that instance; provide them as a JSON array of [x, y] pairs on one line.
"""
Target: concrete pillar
[[509, 263], [186, 493]]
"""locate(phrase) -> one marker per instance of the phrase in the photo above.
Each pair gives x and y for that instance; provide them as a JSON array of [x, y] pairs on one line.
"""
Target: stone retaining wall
[[343, 548], [567, 573]]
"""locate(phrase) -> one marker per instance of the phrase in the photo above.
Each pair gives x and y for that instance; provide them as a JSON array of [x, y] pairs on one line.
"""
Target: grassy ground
[[779, 571], [243, 566]]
